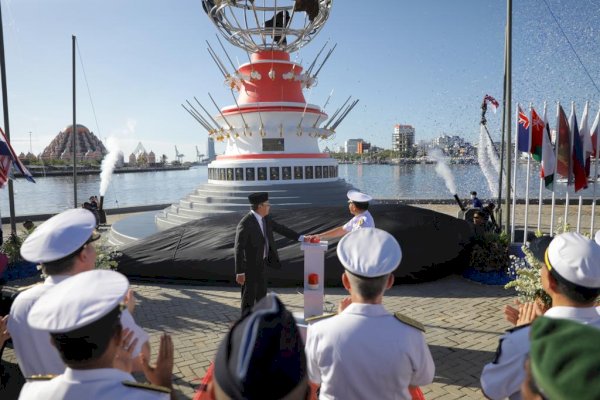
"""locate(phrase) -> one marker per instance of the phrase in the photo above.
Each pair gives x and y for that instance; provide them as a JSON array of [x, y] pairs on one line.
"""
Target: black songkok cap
[[262, 356], [259, 197]]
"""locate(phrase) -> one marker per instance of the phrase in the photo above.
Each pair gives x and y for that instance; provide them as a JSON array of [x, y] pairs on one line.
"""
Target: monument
[[271, 136]]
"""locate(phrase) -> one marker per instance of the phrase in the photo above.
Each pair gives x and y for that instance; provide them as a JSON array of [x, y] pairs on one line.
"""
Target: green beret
[[565, 359]]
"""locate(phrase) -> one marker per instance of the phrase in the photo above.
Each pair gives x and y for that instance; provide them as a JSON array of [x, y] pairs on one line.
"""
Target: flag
[[548, 158], [8, 157], [577, 154], [523, 131], [492, 101], [586, 140], [563, 144], [594, 134], [537, 134]]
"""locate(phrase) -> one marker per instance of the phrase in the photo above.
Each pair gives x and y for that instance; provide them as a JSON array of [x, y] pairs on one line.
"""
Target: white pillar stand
[[314, 263], [314, 295]]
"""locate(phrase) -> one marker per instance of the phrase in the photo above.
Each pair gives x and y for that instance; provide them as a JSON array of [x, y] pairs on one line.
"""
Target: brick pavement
[[462, 320]]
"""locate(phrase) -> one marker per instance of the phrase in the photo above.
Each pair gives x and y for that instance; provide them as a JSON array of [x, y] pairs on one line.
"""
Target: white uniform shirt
[[366, 353], [363, 220], [35, 353], [502, 378], [97, 384]]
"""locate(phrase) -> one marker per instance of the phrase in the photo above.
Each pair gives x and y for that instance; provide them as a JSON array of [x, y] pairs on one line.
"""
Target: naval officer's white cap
[[78, 301], [359, 197], [60, 236], [597, 237], [369, 252], [575, 258]]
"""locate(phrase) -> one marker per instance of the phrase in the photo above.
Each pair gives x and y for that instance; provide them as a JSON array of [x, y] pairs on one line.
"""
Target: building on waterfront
[[454, 146], [87, 146], [356, 146], [210, 150], [403, 138]]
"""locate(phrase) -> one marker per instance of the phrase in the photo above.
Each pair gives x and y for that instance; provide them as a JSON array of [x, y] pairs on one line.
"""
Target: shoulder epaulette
[[24, 288], [41, 377], [320, 317], [147, 386], [516, 328], [409, 321]]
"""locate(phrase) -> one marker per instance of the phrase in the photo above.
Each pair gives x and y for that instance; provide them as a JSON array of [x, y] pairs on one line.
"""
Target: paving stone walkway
[[462, 318]]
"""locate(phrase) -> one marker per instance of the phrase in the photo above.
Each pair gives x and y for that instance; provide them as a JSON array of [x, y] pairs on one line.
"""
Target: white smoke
[[443, 170], [488, 161], [108, 164]]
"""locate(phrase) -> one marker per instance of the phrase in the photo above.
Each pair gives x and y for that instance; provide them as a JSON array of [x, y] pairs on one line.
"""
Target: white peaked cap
[[78, 301], [59, 236], [369, 252], [575, 258], [359, 197], [597, 237]]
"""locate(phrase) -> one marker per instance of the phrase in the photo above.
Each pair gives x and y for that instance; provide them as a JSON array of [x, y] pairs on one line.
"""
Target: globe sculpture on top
[[256, 25]]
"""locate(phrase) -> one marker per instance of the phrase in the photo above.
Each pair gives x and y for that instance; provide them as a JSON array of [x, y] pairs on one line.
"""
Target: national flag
[[594, 134], [523, 131], [577, 153], [563, 145], [586, 140], [548, 159], [492, 101], [537, 134], [8, 157]]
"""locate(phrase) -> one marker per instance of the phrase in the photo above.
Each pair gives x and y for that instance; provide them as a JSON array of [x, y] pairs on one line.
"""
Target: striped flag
[[578, 163], [563, 143], [537, 134], [548, 158], [586, 140], [8, 157]]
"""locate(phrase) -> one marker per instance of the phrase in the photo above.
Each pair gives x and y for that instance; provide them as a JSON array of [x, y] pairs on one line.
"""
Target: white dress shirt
[[366, 353], [97, 384], [363, 220], [35, 353], [502, 377]]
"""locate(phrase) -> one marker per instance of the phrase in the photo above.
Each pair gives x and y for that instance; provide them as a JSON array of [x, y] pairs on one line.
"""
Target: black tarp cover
[[202, 251]]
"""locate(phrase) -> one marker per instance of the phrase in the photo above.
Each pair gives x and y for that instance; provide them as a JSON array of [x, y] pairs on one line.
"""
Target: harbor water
[[406, 182]]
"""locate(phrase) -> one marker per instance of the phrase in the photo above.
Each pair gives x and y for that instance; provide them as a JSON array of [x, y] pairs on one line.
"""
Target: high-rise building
[[403, 138], [353, 146]]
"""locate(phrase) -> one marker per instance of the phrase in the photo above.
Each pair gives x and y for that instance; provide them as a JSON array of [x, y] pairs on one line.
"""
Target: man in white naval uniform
[[365, 352], [63, 246], [82, 318], [571, 277], [358, 205]]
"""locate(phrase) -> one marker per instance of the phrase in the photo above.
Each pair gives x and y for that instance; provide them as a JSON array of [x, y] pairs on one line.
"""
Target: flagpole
[[514, 179], [526, 218], [503, 142], [508, 105], [11, 195], [540, 204], [556, 143], [74, 128], [595, 179]]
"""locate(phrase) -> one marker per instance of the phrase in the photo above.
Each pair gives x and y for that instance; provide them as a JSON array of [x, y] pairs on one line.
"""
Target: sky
[[426, 63]]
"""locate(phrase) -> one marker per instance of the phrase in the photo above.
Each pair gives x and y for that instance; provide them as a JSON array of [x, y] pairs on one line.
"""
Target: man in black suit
[[253, 253]]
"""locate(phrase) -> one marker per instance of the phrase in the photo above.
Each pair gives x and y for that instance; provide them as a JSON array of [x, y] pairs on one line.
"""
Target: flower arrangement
[[106, 255], [528, 280], [490, 252]]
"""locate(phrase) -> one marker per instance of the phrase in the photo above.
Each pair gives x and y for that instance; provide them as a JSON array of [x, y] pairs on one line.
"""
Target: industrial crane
[[178, 155]]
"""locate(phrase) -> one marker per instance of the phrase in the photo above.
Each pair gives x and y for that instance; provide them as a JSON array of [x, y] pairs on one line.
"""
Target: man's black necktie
[[264, 229]]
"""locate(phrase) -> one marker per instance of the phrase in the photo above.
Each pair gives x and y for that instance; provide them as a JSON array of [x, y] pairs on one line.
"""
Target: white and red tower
[[271, 133]]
